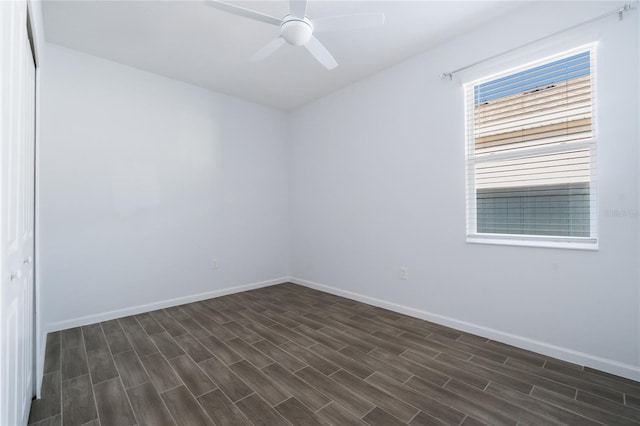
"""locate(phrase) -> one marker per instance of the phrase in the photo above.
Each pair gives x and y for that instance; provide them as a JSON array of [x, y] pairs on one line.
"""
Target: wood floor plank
[[148, 406], [149, 324], [428, 374], [49, 403], [113, 404], [470, 421], [336, 415], [259, 412], [242, 332], [298, 414], [116, 339], [573, 381], [71, 338], [581, 408], [160, 372], [169, 323], [490, 375], [52, 353], [492, 415], [184, 408], [376, 365], [608, 405], [362, 343], [342, 361], [94, 337], [424, 419], [293, 336], [378, 417], [192, 376], [255, 317], [383, 341], [130, 369], [221, 410], [517, 353], [632, 401], [212, 327], [338, 393], [49, 421], [630, 385], [318, 337], [74, 362], [507, 408], [139, 339], [281, 319], [417, 343], [392, 405], [466, 348], [78, 406], [267, 333], [193, 327], [454, 372], [167, 346], [524, 400], [225, 379], [279, 355], [319, 363], [429, 405], [605, 380], [304, 392], [268, 390], [421, 330], [220, 350], [193, 347], [301, 319], [248, 352], [507, 351], [101, 366], [525, 376]]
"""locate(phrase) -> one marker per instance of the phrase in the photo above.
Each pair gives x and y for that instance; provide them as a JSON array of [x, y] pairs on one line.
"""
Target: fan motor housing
[[296, 31]]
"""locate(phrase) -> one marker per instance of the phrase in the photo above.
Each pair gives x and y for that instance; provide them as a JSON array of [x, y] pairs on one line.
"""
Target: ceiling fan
[[298, 30]]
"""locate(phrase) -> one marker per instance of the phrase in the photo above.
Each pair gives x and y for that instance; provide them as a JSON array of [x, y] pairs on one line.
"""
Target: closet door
[[17, 131]]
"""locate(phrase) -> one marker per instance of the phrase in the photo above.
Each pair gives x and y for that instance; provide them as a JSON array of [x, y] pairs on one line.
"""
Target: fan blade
[[348, 22], [268, 49], [298, 8], [321, 53], [241, 11]]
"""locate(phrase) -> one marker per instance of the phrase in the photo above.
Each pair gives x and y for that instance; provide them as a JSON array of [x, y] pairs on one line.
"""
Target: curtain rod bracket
[[625, 9], [446, 75]]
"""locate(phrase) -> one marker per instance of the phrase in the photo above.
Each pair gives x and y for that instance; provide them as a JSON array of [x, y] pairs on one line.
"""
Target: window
[[531, 154]]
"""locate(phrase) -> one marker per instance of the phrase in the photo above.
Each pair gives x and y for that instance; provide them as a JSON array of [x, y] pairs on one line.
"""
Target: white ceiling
[[188, 41]]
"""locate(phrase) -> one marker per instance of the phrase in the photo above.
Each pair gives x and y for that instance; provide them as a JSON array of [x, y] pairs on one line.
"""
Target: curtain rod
[[620, 12]]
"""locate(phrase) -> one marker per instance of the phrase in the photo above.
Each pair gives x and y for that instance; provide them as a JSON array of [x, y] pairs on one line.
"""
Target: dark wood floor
[[287, 354]]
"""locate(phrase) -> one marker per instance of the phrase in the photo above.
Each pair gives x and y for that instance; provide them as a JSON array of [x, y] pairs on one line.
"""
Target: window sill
[[590, 244]]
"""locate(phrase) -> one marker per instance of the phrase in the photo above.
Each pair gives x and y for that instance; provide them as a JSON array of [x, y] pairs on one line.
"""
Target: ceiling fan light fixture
[[296, 32]]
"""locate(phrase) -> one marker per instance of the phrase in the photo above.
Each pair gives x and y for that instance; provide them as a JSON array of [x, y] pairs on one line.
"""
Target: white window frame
[[564, 242]]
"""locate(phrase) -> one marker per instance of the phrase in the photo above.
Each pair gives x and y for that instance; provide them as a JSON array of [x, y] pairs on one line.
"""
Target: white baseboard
[[610, 366], [133, 310]]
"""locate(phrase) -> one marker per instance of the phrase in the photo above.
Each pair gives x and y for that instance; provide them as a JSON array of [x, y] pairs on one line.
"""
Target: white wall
[[378, 182], [143, 181]]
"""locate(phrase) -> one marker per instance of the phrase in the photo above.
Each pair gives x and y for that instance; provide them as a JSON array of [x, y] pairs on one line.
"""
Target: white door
[[17, 132]]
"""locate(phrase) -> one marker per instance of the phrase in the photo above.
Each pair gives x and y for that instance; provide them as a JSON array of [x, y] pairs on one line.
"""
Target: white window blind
[[531, 152]]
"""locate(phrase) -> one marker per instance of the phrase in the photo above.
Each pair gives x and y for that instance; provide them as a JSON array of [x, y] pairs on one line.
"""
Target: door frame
[[34, 28]]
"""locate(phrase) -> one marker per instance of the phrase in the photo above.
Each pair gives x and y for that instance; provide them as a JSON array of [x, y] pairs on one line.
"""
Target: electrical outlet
[[404, 273], [214, 264]]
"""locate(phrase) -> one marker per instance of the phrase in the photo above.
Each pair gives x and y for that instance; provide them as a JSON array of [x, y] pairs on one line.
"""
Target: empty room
[[292, 212]]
